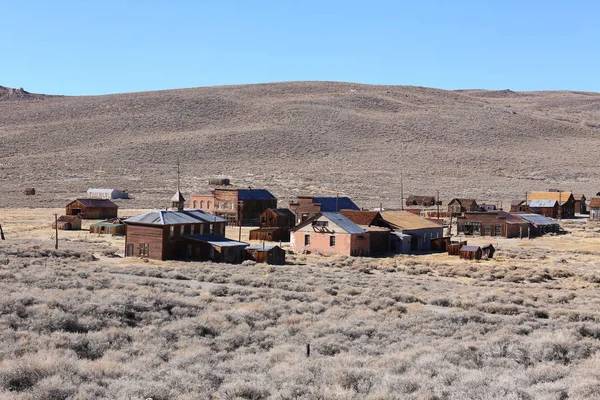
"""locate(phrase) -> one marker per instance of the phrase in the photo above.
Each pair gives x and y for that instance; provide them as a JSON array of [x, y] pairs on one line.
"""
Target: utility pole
[[56, 231], [437, 202], [337, 202], [559, 204], [401, 191]]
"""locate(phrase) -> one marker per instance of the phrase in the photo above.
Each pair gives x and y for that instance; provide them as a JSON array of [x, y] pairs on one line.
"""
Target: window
[[201, 203], [332, 241], [233, 206], [144, 249], [208, 205], [181, 230], [195, 204], [320, 223], [192, 229], [498, 230], [171, 231], [487, 230], [306, 240], [225, 205], [219, 205]]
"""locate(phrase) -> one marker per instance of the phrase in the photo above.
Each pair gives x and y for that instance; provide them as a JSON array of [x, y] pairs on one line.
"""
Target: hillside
[[300, 137]]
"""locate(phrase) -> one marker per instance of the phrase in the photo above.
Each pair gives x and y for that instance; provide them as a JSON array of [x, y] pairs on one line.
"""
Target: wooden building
[[114, 226], [470, 252], [488, 251], [378, 230], [421, 230], [180, 234], [540, 224], [421, 201], [580, 203], [92, 208], [29, 192], [237, 206], [453, 248], [273, 255], [305, 207], [493, 223], [68, 223], [459, 206], [363, 217], [330, 233], [110, 194], [275, 225], [554, 204], [594, 208], [519, 206]]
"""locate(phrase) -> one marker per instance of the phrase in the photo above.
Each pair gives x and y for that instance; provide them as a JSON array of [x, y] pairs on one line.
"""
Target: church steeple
[[178, 201]]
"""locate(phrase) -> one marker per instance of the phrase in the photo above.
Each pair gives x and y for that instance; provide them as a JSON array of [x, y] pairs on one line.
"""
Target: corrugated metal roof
[[93, 190], [160, 217], [343, 222], [254, 194], [407, 220], [543, 203], [328, 204], [216, 240], [538, 220], [260, 247]]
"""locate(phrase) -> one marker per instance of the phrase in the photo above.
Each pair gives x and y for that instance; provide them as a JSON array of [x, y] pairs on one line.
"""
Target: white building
[[107, 194]]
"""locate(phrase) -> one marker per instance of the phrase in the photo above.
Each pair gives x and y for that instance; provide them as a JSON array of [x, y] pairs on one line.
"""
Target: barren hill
[[301, 137]]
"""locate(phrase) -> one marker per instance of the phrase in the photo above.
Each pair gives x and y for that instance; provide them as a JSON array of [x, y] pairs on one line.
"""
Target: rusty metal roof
[[407, 221], [361, 217], [470, 248], [595, 202], [578, 196], [96, 203], [563, 197]]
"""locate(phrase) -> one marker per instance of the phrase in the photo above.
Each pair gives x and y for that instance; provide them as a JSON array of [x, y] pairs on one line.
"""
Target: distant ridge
[[7, 93]]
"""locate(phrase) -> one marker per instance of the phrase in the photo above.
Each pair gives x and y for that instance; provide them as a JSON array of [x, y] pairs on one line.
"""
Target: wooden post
[[437, 201], [56, 231], [1, 233], [307, 349], [240, 220]]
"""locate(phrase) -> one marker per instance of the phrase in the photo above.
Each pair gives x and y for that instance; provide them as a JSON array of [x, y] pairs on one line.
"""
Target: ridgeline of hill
[[299, 137]]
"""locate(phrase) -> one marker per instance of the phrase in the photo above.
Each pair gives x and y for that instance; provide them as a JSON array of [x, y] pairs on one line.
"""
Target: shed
[[216, 248], [454, 248], [29, 191], [594, 207], [68, 223], [92, 208], [470, 252], [541, 224], [488, 251], [114, 226], [110, 194], [274, 255], [580, 203]]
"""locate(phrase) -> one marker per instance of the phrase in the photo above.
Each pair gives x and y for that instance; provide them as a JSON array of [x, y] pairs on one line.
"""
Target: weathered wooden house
[[540, 224], [519, 206], [275, 225], [305, 207], [594, 208], [552, 204], [421, 230], [68, 223], [470, 252], [421, 201], [180, 234], [580, 203], [237, 206], [459, 206], [110, 194], [92, 208], [272, 254], [330, 233], [114, 226], [453, 248], [493, 223], [29, 192], [376, 227]]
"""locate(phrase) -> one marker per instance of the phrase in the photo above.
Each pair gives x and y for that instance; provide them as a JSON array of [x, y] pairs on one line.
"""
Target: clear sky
[[97, 47]]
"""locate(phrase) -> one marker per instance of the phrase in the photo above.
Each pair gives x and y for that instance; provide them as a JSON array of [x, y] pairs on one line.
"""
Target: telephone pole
[[401, 191], [56, 231], [437, 202]]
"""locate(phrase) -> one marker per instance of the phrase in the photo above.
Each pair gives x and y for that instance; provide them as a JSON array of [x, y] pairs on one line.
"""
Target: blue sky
[[85, 47]]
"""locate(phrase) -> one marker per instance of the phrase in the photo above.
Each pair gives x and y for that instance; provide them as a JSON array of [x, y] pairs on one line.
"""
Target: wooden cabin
[[470, 252], [580, 203], [114, 226], [459, 206], [553, 204], [594, 208], [273, 255], [92, 208], [275, 225], [453, 248], [493, 223], [68, 223]]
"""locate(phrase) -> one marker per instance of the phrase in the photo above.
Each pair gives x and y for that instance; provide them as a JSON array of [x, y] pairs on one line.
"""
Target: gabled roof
[[328, 204], [255, 194], [361, 217], [463, 202], [543, 203], [595, 202], [93, 190], [538, 220], [160, 217], [96, 203], [344, 223], [470, 248], [578, 196], [407, 220], [68, 218], [562, 197], [214, 240], [283, 212], [517, 202]]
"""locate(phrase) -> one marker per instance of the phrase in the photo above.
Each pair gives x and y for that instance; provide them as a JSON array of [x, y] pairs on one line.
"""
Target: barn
[[68, 223], [92, 208]]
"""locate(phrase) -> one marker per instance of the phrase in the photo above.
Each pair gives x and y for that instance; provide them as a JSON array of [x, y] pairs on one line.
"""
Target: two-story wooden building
[[92, 208], [555, 204], [458, 206], [275, 225]]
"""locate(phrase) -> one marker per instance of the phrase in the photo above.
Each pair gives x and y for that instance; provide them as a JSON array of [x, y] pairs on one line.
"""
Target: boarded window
[[332, 241], [320, 223], [306, 240], [487, 230]]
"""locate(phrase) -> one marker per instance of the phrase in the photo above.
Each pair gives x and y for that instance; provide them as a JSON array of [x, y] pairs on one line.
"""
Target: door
[[129, 252]]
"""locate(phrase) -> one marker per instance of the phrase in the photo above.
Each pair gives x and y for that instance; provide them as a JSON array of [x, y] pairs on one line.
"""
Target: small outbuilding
[[29, 191], [67, 223], [594, 207], [273, 255], [488, 251], [470, 252], [114, 226], [580, 203], [421, 201], [107, 194], [215, 248]]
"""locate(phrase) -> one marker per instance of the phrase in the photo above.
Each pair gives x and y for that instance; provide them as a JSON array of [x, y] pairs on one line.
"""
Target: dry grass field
[[299, 137], [84, 323]]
